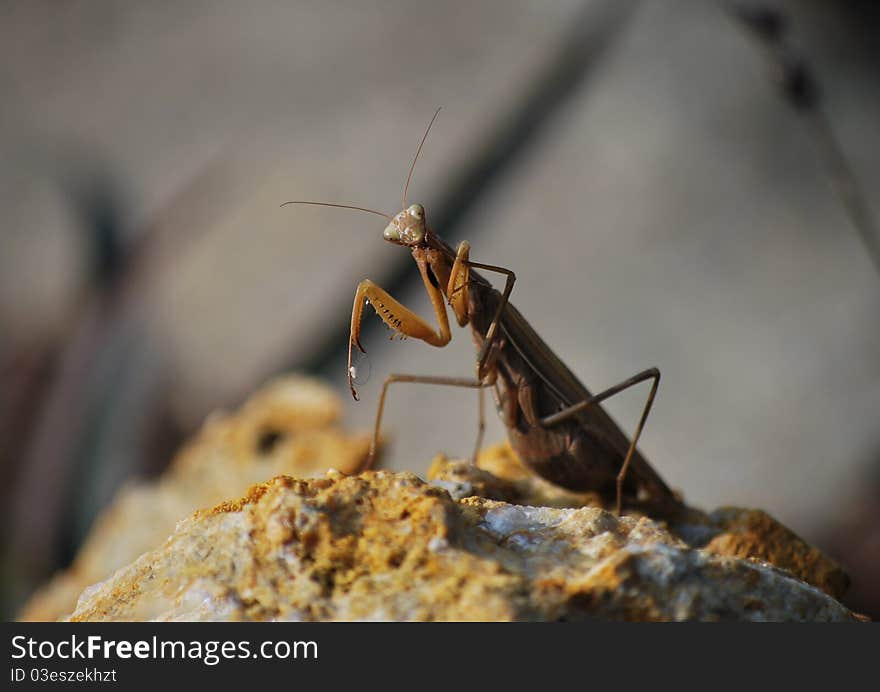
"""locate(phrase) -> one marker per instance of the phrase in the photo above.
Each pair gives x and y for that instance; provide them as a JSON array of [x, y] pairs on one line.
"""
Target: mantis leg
[[481, 421], [398, 317], [574, 409], [458, 278], [488, 381], [424, 379]]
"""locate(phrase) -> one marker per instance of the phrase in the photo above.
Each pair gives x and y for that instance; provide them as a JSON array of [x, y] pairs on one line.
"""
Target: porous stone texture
[[389, 546], [288, 427]]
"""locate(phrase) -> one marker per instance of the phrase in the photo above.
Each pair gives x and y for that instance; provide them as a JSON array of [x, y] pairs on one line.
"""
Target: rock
[[729, 531], [288, 427], [485, 542], [389, 546], [751, 533]]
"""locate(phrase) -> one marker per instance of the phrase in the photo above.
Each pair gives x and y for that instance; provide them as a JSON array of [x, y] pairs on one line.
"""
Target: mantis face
[[407, 227]]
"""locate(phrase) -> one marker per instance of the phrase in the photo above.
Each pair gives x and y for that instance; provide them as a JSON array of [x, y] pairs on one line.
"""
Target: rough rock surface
[[728, 531], [392, 547], [288, 427]]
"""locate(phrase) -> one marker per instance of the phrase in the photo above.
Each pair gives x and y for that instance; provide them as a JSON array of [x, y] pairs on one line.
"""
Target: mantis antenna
[[339, 206], [416, 158]]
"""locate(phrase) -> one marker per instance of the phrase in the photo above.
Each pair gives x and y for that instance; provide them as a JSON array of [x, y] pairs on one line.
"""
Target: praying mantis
[[555, 425]]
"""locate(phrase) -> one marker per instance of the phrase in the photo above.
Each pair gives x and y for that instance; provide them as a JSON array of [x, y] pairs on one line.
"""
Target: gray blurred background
[[636, 163]]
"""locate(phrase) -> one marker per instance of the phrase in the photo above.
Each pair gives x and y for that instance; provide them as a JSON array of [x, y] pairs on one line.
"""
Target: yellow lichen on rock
[[317, 549], [751, 533]]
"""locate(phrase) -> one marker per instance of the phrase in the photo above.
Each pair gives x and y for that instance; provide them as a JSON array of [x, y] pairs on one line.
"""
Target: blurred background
[[658, 174]]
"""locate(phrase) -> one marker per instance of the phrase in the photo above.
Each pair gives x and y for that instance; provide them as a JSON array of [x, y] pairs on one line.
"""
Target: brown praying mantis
[[556, 426]]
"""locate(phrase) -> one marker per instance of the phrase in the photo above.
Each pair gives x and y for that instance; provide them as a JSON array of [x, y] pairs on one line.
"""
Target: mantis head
[[407, 227]]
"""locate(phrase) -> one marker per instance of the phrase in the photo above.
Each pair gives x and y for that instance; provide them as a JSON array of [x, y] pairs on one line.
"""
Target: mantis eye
[[416, 211]]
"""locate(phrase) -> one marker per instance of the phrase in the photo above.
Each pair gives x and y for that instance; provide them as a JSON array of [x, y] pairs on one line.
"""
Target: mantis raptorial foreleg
[[397, 316], [458, 285], [405, 322], [574, 409]]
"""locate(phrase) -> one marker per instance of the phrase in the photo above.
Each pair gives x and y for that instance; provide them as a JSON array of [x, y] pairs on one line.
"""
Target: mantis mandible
[[556, 426]]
